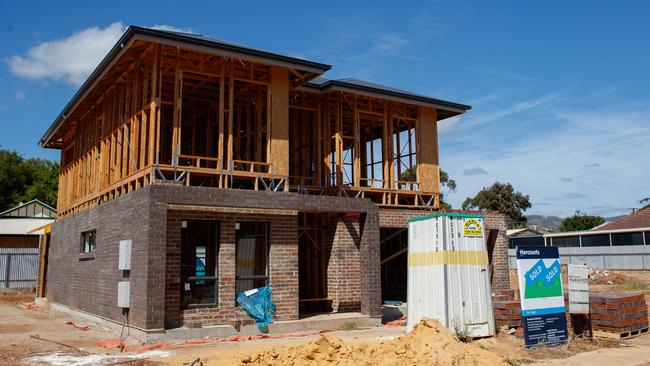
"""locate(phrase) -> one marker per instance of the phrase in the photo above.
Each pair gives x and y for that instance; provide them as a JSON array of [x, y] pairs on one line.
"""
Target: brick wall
[[89, 282], [151, 217], [283, 267], [497, 242], [342, 242], [357, 230]]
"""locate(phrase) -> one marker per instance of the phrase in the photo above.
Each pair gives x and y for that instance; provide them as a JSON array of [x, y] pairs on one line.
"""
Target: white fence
[[618, 257]]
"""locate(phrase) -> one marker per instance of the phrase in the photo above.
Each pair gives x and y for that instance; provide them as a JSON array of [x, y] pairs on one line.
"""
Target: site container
[[448, 273]]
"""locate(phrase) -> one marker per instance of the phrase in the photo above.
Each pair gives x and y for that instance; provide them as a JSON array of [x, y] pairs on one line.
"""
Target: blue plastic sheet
[[258, 305]]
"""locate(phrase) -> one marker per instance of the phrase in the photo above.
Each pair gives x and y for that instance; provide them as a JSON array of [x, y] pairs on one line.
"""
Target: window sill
[[86, 256]]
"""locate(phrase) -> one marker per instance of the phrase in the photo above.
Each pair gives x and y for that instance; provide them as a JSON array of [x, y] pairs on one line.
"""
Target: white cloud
[[513, 109], [171, 28], [70, 59], [448, 125], [604, 152], [475, 171]]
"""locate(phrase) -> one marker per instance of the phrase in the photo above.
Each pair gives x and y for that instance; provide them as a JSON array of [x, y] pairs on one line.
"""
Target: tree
[[645, 202], [580, 221], [410, 175], [22, 180], [501, 197]]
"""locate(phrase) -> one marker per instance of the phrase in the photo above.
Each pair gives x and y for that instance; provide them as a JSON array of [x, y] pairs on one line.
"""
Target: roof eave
[[335, 85]]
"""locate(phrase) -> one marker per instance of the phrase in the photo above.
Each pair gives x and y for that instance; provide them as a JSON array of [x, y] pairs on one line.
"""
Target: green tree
[[580, 221], [22, 180], [503, 198], [13, 178], [450, 184], [645, 202]]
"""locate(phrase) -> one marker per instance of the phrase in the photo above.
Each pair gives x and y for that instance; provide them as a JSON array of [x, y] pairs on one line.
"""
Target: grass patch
[[349, 325], [461, 333], [635, 286]]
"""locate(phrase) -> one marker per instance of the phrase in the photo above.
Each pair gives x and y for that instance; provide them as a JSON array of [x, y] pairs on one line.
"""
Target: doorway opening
[[313, 253]]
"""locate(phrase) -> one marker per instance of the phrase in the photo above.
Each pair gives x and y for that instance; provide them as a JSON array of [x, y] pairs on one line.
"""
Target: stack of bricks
[[507, 308], [618, 314]]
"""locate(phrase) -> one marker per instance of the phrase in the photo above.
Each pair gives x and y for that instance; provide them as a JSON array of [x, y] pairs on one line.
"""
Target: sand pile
[[430, 343]]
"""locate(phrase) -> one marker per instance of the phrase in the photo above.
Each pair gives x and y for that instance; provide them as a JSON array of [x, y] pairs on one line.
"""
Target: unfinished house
[[220, 168]]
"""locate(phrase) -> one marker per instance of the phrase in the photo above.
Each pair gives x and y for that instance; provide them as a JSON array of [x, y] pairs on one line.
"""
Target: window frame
[[209, 276], [88, 249], [267, 275]]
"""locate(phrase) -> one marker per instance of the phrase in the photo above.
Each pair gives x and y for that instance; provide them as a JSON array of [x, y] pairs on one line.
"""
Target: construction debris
[[507, 308]]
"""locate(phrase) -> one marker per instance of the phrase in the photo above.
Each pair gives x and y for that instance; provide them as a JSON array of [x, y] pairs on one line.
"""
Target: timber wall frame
[[167, 113]]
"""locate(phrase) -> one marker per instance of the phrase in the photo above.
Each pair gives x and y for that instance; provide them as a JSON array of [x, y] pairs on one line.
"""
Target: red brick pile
[[507, 308], [619, 313]]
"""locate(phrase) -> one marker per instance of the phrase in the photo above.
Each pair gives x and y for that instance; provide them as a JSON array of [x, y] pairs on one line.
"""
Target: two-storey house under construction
[[219, 168]]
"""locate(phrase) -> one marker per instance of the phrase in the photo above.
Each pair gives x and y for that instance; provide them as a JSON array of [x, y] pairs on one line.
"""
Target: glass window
[[647, 238], [199, 254], [526, 241], [627, 239], [566, 241], [601, 240], [88, 239], [251, 266]]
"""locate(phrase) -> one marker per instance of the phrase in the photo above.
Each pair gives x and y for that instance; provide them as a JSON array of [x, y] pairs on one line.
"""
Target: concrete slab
[[316, 322]]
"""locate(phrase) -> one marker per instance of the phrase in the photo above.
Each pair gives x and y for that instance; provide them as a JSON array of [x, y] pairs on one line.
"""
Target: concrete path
[[635, 352]]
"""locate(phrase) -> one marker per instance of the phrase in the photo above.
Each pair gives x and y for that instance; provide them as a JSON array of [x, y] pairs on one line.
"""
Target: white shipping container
[[448, 276]]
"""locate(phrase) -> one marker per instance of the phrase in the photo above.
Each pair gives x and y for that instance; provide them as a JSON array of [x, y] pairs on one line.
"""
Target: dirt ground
[[39, 336]]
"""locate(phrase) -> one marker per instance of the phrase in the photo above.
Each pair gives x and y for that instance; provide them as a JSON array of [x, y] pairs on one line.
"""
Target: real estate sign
[[578, 276], [540, 290]]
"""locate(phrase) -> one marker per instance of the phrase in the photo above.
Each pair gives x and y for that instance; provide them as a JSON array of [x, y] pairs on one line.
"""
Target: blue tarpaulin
[[257, 303]]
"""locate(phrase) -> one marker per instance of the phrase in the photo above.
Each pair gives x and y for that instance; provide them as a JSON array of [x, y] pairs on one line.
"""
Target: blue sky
[[560, 96]]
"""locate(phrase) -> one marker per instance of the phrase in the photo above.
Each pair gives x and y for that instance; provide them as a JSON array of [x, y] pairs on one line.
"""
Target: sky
[[559, 90]]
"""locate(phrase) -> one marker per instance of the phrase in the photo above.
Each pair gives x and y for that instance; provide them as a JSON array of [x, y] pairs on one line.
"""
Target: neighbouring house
[[21, 230], [225, 168], [636, 220], [620, 244]]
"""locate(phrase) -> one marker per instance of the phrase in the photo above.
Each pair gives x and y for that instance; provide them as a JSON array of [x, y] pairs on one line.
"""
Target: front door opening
[[394, 256], [199, 272], [313, 258]]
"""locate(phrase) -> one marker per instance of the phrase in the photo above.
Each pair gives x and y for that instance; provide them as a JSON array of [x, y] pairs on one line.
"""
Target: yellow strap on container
[[460, 257]]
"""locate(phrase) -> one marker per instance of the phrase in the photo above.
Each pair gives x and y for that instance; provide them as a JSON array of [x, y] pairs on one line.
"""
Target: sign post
[[578, 289], [542, 300]]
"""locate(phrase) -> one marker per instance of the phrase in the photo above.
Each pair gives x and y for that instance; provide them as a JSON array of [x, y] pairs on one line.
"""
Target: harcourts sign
[[542, 301]]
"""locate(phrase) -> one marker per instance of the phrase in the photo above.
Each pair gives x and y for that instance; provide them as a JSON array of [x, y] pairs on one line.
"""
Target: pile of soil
[[430, 343], [608, 278]]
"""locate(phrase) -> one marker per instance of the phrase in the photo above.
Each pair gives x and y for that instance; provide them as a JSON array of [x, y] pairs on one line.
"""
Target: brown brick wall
[[19, 241], [497, 242], [283, 267], [151, 217], [344, 266], [90, 284]]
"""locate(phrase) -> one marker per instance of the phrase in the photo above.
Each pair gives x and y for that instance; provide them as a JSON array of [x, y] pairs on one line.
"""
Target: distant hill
[[549, 222]]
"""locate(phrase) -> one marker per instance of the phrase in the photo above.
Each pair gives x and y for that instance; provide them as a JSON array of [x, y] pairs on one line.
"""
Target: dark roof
[[324, 84], [635, 220], [182, 39]]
